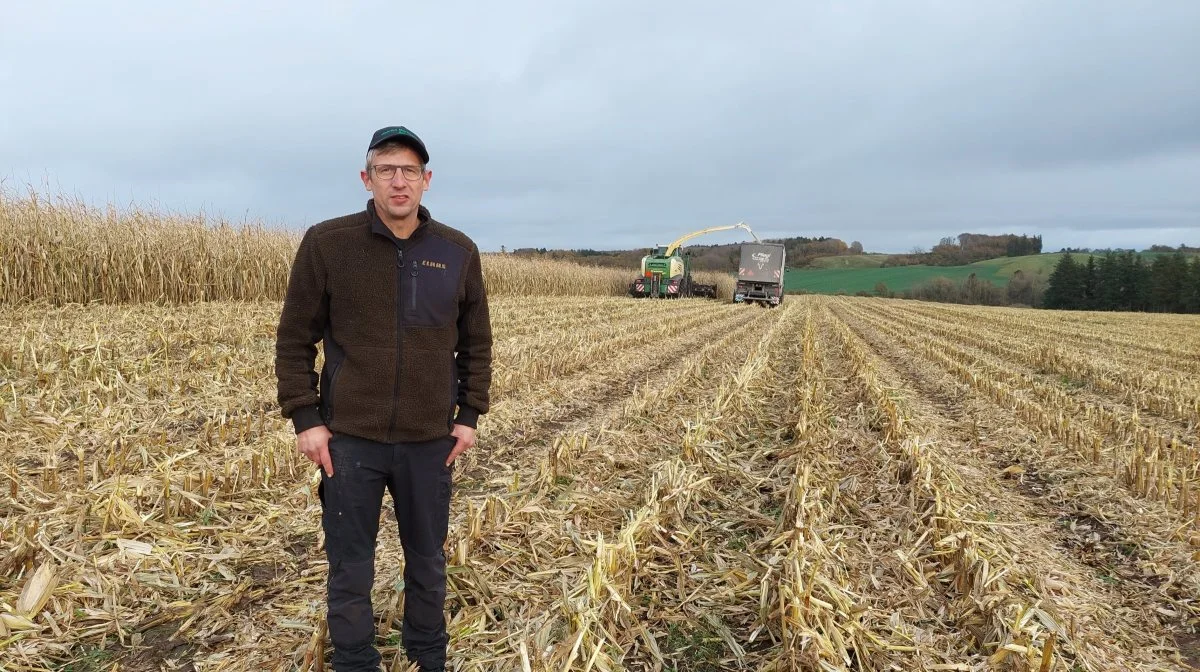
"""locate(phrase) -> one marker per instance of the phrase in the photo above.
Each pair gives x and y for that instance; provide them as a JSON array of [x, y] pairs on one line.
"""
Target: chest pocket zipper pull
[[413, 273]]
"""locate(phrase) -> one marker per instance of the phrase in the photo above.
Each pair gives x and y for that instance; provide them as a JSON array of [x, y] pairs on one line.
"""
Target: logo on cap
[[392, 131]]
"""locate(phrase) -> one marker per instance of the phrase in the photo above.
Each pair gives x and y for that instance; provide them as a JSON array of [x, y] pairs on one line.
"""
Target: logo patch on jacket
[[434, 264]]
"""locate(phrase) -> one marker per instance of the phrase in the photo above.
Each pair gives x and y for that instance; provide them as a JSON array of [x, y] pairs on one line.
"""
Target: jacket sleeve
[[301, 327], [474, 359]]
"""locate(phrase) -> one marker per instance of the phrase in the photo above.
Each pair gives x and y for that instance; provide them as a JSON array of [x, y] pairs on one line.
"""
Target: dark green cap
[[403, 134]]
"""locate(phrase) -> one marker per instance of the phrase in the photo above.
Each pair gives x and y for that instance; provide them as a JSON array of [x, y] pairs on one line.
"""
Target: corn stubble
[[776, 498], [840, 484]]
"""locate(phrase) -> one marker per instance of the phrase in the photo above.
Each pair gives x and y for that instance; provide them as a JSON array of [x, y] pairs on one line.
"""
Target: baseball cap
[[403, 134]]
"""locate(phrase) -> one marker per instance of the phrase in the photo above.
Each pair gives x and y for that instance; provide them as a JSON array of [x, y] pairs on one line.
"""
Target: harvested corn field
[[838, 484]]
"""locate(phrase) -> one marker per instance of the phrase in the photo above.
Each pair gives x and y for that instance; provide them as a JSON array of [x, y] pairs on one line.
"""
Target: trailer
[[760, 274]]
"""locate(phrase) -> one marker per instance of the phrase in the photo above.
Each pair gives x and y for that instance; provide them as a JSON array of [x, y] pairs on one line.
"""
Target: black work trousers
[[420, 483]]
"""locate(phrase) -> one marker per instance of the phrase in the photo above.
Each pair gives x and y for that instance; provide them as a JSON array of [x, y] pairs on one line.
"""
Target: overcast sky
[[613, 124]]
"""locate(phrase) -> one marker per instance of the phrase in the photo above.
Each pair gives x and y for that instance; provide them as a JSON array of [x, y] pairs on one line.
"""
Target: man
[[398, 300]]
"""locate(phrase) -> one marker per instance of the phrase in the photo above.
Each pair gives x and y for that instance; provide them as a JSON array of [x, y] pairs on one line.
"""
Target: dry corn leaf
[[18, 622], [37, 590]]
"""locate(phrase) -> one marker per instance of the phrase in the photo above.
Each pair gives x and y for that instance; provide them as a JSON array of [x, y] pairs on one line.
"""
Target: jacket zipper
[[413, 303], [399, 331]]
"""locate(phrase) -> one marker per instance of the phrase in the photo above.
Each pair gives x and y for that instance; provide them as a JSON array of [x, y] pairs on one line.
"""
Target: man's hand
[[466, 439], [314, 444]]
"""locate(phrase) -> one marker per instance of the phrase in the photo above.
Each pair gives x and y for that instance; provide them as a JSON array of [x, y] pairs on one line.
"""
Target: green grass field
[[833, 279], [852, 274]]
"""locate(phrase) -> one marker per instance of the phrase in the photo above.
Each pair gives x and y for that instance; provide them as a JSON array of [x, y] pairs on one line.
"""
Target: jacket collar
[[378, 227]]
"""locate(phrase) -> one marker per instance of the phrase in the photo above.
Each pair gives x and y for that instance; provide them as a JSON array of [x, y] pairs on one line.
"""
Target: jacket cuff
[[467, 416], [306, 417]]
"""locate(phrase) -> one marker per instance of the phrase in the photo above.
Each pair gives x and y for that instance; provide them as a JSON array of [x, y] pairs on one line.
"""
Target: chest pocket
[[430, 291]]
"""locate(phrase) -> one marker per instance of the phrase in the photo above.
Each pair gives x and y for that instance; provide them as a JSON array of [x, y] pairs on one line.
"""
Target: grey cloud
[[614, 124]]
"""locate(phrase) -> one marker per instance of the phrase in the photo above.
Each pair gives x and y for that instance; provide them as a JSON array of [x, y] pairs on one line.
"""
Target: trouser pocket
[[351, 500]]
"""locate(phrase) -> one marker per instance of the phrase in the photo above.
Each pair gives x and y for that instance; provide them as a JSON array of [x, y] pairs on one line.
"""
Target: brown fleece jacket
[[405, 327]]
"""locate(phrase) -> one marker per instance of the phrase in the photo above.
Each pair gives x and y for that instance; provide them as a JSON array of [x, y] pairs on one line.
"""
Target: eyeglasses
[[411, 173]]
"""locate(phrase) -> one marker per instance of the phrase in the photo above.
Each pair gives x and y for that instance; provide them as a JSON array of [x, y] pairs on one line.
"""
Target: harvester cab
[[662, 276]]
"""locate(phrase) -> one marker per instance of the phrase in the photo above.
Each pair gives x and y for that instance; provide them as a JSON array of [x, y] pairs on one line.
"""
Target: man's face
[[397, 195]]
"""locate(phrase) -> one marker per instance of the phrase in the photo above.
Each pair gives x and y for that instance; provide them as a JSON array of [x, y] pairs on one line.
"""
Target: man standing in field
[[398, 299]]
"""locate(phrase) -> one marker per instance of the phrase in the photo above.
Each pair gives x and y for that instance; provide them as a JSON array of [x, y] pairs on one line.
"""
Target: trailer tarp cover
[[761, 263]]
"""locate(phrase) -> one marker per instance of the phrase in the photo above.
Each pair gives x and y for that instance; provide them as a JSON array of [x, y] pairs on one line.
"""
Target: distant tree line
[[1124, 281], [801, 251], [722, 257], [1020, 246], [968, 248], [1186, 249], [1022, 290]]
